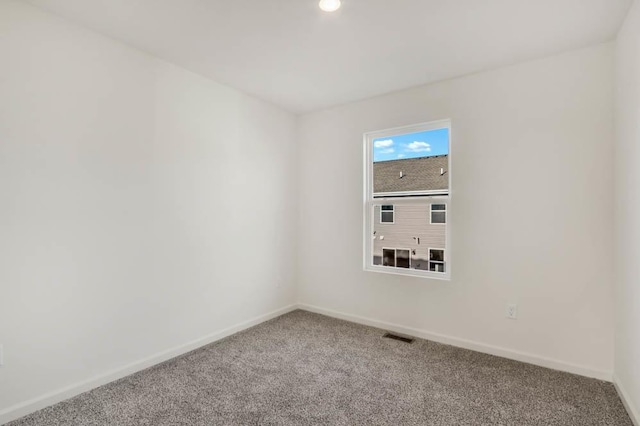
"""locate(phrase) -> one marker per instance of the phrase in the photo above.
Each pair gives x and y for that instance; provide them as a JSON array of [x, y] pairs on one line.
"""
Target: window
[[406, 180], [403, 258], [438, 214], [386, 214], [398, 258], [388, 257], [436, 260]]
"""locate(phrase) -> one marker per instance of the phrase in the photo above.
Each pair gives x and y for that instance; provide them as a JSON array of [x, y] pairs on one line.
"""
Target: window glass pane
[[438, 217], [411, 162], [438, 206], [386, 217], [436, 266], [436, 255], [406, 228], [388, 257], [387, 208], [402, 259]]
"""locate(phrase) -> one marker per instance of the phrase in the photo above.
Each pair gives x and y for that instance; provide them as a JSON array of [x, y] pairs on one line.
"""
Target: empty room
[[320, 212]]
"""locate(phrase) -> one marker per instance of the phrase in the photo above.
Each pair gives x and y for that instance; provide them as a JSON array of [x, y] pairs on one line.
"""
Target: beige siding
[[411, 230]]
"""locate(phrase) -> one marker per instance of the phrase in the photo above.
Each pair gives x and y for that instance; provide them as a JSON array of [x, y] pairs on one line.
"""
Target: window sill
[[441, 276]]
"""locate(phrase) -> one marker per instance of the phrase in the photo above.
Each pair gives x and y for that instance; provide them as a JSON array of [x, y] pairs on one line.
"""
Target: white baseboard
[[30, 406], [467, 344], [633, 410]]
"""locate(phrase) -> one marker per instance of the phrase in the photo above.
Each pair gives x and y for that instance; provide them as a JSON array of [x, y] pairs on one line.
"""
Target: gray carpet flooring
[[308, 369]]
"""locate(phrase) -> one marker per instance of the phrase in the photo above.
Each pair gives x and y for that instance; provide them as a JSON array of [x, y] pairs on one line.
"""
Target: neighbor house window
[[438, 213], [436, 260], [403, 258], [386, 214], [407, 179], [396, 258], [388, 257]]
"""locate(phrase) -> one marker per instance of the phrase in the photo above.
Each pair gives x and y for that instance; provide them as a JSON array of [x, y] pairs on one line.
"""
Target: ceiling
[[290, 53]]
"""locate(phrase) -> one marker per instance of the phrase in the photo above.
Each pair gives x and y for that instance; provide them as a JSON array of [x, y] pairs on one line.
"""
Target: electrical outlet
[[512, 311]]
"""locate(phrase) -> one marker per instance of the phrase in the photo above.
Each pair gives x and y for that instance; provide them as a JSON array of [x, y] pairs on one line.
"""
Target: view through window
[[407, 200]]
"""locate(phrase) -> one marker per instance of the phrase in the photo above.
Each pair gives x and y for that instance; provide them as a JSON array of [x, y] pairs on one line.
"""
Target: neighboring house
[[411, 235]]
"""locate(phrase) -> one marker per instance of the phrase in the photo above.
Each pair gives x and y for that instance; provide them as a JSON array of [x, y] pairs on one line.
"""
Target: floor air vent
[[396, 337]]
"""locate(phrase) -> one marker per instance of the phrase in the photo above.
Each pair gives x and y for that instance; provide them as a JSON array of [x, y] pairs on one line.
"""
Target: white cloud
[[402, 155], [383, 144], [418, 147], [386, 151]]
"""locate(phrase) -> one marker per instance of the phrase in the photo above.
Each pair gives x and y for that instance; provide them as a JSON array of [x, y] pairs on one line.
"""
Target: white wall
[[627, 202], [141, 206], [531, 212]]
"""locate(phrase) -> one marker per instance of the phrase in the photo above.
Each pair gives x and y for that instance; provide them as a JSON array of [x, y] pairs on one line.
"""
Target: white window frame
[[431, 211], [444, 262], [393, 211], [429, 197]]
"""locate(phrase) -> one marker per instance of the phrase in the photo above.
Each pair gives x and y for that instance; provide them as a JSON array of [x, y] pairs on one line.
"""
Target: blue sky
[[412, 145]]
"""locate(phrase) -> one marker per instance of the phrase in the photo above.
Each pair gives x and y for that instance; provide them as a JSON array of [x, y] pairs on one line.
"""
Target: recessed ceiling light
[[329, 5]]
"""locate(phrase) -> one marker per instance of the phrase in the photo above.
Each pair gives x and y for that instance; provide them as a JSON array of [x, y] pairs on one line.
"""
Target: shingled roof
[[418, 174]]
